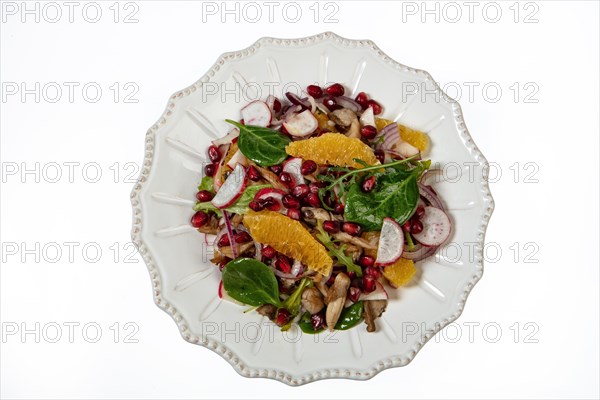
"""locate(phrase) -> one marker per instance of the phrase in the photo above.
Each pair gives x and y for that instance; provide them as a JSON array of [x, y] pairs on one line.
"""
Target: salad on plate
[[317, 207]]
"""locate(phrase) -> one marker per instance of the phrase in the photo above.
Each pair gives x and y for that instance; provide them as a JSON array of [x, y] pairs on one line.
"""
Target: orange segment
[[400, 273], [333, 149], [289, 237], [323, 121], [416, 138]]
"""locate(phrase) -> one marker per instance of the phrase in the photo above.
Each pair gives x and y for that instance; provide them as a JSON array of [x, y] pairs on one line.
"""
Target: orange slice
[[400, 273], [416, 138], [289, 237], [333, 149]]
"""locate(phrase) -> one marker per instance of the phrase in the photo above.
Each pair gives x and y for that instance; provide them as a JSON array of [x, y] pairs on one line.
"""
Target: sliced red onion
[[322, 107], [230, 234], [291, 111], [222, 232], [297, 268], [390, 135], [304, 103], [313, 103], [429, 194], [348, 103], [234, 133], [386, 129], [282, 274], [419, 252]]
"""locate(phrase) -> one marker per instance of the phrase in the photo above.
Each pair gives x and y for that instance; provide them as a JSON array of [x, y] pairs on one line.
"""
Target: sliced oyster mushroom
[[344, 237], [227, 251], [270, 177], [336, 297], [354, 130], [373, 310], [312, 300], [211, 227], [268, 310], [343, 117], [312, 215]]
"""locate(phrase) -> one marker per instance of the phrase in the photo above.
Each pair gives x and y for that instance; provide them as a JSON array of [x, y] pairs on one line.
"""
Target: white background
[[549, 209]]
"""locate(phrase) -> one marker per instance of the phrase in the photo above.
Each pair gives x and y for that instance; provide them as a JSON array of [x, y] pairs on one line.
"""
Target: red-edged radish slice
[[302, 124], [436, 227], [227, 139], [232, 188], [293, 166], [368, 117], [378, 294], [276, 194], [257, 113], [217, 182], [391, 242], [237, 158]]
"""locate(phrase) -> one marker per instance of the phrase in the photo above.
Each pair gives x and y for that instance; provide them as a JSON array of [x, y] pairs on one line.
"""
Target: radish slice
[[227, 139], [232, 188], [391, 242], [436, 227], [378, 294], [257, 113], [368, 117], [237, 158], [301, 125], [217, 182], [276, 194], [293, 166]]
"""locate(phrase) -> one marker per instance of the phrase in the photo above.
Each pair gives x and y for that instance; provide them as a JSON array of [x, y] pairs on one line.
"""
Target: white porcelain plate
[[185, 283]]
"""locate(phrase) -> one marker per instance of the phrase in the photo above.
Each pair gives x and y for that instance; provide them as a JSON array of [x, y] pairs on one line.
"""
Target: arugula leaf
[[293, 302], [207, 184], [264, 146], [337, 252], [350, 316], [251, 282], [241, 205]]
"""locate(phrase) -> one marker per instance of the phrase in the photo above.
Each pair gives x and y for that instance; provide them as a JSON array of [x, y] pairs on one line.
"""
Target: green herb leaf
[[251, 282], [207, 184], [264, 146], [350, 316], [337, 252], [241, 205], [293, 302], [306, 325]]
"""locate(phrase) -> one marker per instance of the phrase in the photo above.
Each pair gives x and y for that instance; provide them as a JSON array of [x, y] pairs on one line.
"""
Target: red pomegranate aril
[[373, 271], [312, 199], [407, 226], [282, 317], [366, 261], [242, 237], [351, 228], [331, 226], [276, 105], [276, 169], [376, 106], [362, 99], [199, 219], [294, 213], [354, 294], [420, 212], [368, 132], [271, 204], [351, 274], [290, 202], [315, 91], [315, 186], [283, 264], [299, 191], [204, 195], [253, 173], [255, 205], [331, 279], [318, 321], [330, 103], [416, 226], [308, 167], [380, 155], [329, 199], [286, 179], [209, 169], [268, 251], [338, 209], [368, 283], [222, 265], [335, 90], [213, 153], [223, 241], [368, 184]]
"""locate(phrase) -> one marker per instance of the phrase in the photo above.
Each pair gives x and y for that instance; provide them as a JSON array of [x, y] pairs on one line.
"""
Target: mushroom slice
[[227, 251], [373, 310], [354, 130], [312, 300], [343, 117], [268, 310], [270, 177], [313, 214], [336, 297]]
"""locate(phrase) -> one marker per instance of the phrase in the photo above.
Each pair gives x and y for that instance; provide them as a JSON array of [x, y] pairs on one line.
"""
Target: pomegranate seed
[[351, 274], [315, 91], [406, 226], [199, 219], [380, 155], [294, 213], [255, 205], [317, 320], [209, 169], [223, 241], [366, 261], [271, 204], [416, 226], [373, 271], [204, 195], [286, 179], [354, 294], [290, 201], [335, 90], [368, 184], [253, 173], [331, 226], [420, 212], [214, 154], [283, 264], [362, 99], [338, 209], [276, 169], [315, 186], [222, 265], [242, 237], [351, 228], [242, 121], [308, 167], [330, 103], [268, 252], [276, 105], [331, 279], [376, 107], [356, 282], [368, 283], [282, 317], [312, 199], [300, 191], [368, 132]]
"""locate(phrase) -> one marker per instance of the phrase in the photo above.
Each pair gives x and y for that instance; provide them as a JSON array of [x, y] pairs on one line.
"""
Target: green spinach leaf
[[306, 325], [264, 146], [251, 282], [350, 316]]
